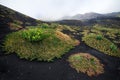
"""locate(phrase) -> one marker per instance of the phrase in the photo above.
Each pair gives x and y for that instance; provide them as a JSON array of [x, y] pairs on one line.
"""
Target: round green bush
[[86, 63], [37, 43]]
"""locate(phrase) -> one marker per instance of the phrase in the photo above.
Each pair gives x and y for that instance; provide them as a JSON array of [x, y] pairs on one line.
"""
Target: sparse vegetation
[[111, 33], [17, 22], [86, 63], [85, 32], [14, 26], [27, 44]]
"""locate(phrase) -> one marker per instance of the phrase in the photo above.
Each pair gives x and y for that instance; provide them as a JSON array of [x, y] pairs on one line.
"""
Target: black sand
[[14, 68]]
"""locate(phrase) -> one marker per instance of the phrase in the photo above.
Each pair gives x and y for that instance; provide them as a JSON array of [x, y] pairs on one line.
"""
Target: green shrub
[[113, 47], [51, 47], [86, 63], [34, 35], [44, 25], [99, 37]]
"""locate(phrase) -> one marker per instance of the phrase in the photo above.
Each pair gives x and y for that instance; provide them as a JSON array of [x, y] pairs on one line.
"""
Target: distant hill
[[114, 14], [103, 21], [71, 22], [88, 16]]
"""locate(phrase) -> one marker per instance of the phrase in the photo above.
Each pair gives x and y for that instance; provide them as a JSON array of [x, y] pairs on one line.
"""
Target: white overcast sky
[[55, 9]]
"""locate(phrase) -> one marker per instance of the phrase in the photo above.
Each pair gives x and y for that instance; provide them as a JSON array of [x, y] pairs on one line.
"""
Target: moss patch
[[104, 45], [86, 63], [43, 50]]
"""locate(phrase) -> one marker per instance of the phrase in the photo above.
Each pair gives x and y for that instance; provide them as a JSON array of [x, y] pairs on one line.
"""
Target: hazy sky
[[55, 9]]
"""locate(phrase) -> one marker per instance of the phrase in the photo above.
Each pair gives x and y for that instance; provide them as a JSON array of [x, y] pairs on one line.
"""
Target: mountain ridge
[[91, 15]]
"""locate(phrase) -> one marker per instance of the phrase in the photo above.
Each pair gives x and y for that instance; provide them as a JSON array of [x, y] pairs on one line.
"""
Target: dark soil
[[14, 68]]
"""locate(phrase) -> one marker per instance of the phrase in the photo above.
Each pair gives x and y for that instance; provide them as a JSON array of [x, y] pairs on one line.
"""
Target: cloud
[[55, 9]]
